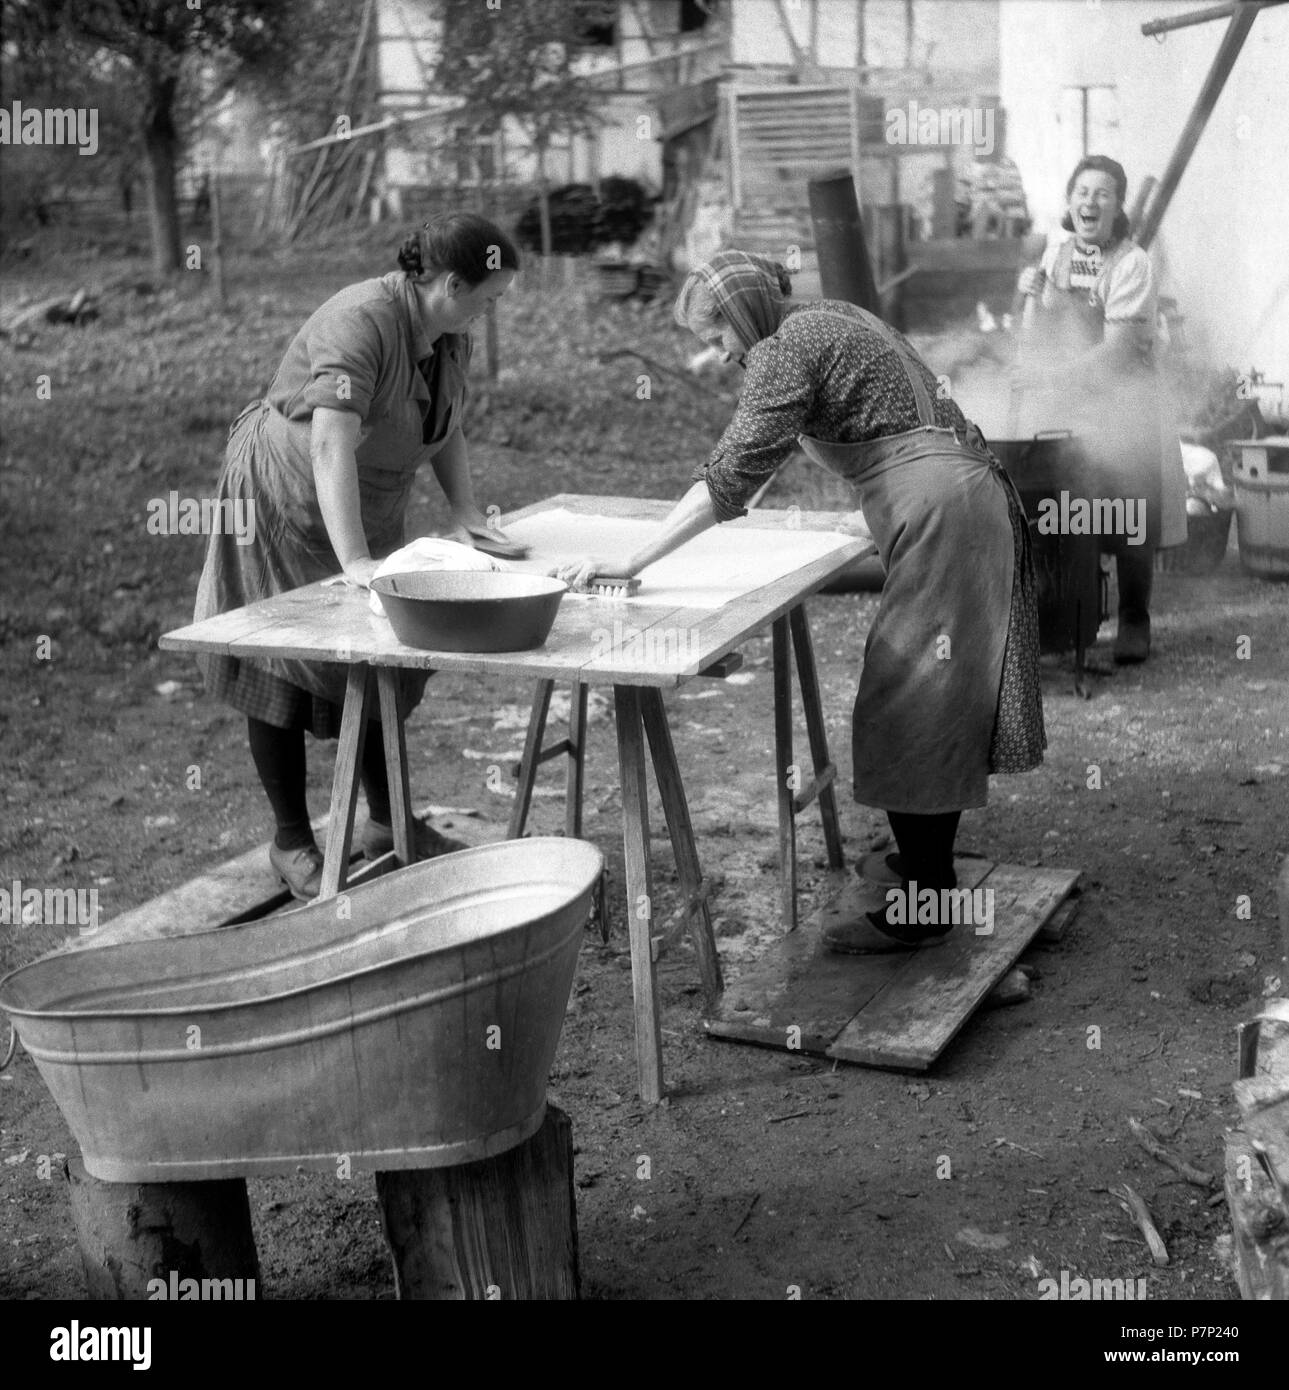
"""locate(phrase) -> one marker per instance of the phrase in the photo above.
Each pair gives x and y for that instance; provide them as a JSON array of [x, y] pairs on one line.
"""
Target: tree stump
[[503, 1227], [133, 1235]]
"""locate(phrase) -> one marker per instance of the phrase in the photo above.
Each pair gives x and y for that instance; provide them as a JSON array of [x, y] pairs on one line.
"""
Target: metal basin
[[470, 610], [410, 1023]]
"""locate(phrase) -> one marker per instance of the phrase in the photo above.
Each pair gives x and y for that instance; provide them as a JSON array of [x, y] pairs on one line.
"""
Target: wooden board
[[241, 889], [800, 985], [899, 1010]]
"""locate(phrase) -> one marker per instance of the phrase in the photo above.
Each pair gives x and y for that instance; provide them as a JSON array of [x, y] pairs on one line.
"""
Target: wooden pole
[[892, 261], [544, 210], [783, 772], [861, 45], [217, 243], [131, 1234], [501, 1228], [1223, 61]]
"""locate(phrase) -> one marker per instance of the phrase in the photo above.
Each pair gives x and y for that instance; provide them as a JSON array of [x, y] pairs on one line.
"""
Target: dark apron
[[1119, 429], [950, 686]]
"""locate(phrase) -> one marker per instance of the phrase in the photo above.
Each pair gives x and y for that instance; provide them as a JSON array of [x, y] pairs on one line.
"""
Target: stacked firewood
[[324, 184]]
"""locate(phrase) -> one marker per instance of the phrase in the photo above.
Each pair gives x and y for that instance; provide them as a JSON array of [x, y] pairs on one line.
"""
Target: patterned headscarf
[[749, 290]]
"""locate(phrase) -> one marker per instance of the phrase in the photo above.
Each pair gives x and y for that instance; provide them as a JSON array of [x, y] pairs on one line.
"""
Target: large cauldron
[[1071, 591]]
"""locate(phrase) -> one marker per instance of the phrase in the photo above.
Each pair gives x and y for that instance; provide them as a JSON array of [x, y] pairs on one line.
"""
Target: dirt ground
[[767, 1170]]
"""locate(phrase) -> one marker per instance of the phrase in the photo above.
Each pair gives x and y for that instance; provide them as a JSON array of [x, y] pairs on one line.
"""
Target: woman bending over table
[[371, 387], [950, 688]]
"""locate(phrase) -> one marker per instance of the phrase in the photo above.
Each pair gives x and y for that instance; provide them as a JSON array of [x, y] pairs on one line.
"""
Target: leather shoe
[[300, 869], [1132, 642], [880, 867], [871, 935], [378, 839]]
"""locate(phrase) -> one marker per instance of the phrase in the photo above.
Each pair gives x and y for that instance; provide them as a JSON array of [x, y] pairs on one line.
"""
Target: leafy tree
[[161, 46], [37, 177], [515, 58], [300, 87]]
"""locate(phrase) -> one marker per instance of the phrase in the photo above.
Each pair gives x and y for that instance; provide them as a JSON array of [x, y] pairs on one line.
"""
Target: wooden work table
[[333, 622]]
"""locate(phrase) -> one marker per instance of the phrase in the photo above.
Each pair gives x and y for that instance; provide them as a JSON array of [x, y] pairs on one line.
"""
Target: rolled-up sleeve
[[345, 352], [772, 411]]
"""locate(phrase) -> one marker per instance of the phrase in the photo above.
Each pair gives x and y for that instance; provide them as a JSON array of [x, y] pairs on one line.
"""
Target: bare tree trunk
[[160, 155]]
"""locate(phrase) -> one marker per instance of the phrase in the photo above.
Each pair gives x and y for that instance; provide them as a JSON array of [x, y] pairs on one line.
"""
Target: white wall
[[1224, 237]]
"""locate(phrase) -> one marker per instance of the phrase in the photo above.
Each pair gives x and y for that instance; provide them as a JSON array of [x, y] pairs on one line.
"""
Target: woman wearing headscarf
[[1091, 360], [950, 689], [371, 387]]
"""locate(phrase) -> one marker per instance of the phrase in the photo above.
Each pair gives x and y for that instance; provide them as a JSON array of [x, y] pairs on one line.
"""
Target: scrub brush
[[613, 588]]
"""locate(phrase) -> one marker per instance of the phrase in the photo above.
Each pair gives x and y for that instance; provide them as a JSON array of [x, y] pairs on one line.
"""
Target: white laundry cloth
[[431, 553]]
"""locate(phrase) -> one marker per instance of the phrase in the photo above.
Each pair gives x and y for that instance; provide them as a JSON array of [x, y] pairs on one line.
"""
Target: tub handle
[[13, 1048]]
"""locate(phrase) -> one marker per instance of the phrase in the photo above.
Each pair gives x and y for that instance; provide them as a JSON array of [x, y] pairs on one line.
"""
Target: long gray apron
[[1132, 452], [950, 689], [268, 467]]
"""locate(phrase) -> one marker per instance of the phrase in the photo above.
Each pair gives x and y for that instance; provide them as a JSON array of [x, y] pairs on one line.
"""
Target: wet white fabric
[[713, 569], [431, 553]]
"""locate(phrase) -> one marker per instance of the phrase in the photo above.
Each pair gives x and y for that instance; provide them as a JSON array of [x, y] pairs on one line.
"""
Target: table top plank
[[656, 509], [594, 640], [215, 634]]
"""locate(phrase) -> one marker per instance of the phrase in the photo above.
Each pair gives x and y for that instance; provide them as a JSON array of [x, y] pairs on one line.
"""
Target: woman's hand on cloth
[[578, 574], [360, 572], [475, 530]]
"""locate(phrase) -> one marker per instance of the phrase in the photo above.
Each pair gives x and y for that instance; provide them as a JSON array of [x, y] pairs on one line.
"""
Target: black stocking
[[279, 760], [926, 847]]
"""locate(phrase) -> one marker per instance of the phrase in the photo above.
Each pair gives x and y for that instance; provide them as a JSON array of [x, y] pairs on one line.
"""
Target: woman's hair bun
[[461, 242], [409, 255]]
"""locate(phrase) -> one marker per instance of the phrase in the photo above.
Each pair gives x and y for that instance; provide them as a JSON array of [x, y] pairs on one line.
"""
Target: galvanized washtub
[[410, 1023]]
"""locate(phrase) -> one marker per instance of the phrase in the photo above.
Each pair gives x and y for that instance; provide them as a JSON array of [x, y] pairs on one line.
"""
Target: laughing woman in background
[[931, 721], [1097, 306], [372, 386]]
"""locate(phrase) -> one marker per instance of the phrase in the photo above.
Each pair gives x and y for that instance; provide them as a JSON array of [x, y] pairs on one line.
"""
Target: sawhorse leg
[[534, 755], [793, 797], [825, 770], [400, 797], [693, 891], [344, 785], [635, 841], [349, 758]]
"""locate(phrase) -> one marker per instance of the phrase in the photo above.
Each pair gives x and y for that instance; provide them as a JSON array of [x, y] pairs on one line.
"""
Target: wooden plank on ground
[[240, 889], [798, 985], [923, 1007], [222, 892]]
